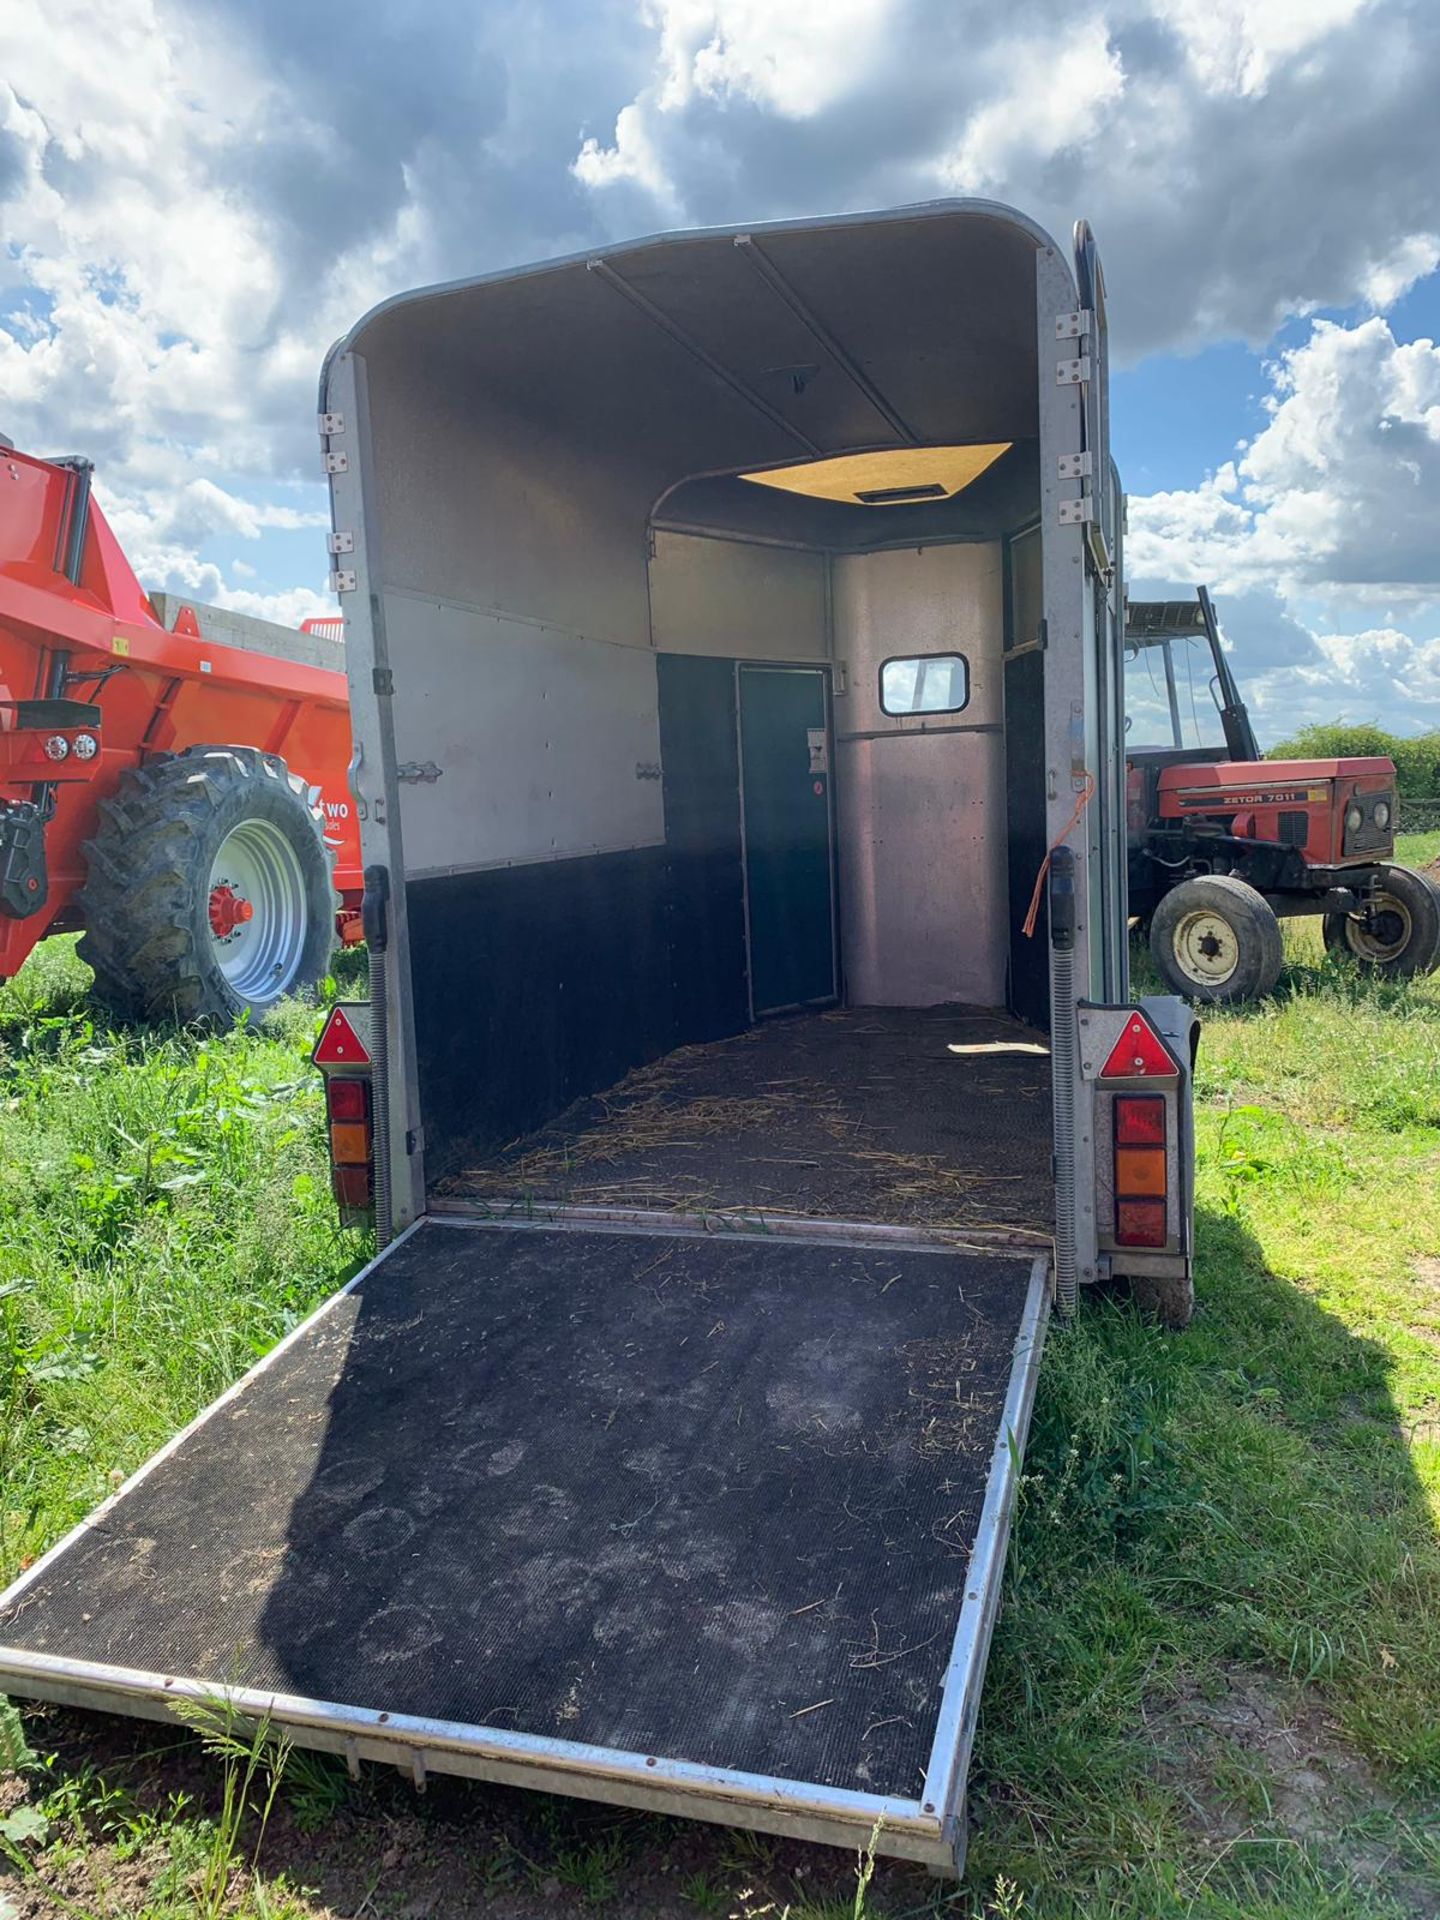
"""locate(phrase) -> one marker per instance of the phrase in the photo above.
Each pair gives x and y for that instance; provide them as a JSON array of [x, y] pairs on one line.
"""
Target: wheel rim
[[257, 911], [1206, 948], [1382, 932]]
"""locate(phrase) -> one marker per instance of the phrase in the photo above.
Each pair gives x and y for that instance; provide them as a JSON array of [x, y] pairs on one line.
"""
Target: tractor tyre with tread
[[1215, 939], [1399, 934], [208, 893]]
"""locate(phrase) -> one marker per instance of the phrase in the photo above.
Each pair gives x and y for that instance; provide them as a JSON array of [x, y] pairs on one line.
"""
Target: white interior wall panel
[[548, 742], [737, 600]]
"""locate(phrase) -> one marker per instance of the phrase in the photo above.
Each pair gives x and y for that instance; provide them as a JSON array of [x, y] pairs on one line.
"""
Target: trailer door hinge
[[1068, 373], [415, 773], [382, 679], [1070, 466], [1073, 326], [415, 1140], [1076, 512], [337, 463], [342, 580], [345, 542], [331, 423]]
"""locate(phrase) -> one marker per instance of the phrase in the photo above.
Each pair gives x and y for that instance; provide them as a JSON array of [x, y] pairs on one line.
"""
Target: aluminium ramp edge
[[928, 1827]]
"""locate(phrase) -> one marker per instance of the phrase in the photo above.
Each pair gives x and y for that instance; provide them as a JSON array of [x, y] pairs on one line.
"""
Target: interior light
[[893, 477]]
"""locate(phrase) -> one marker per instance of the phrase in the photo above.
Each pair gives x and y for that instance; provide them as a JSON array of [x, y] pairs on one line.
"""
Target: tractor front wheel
[[208, 894], [1216, 939], [1397, 931]]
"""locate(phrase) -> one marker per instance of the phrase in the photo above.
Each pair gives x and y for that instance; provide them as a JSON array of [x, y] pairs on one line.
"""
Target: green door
[[785, 805]]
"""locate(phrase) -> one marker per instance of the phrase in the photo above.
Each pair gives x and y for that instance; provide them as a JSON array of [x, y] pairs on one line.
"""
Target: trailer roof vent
[[893, 477]]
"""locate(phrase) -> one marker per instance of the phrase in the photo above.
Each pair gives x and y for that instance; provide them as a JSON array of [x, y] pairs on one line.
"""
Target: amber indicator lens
[[1140, 1171], [349, 1143]]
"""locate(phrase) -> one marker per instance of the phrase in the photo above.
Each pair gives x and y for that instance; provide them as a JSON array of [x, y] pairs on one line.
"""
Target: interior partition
[[924, 913]]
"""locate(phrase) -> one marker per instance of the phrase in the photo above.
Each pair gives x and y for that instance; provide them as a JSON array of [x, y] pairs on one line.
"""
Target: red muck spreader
[[172, 777]]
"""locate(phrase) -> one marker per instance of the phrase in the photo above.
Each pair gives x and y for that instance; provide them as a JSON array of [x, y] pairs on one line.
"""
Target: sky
[[198, 196]]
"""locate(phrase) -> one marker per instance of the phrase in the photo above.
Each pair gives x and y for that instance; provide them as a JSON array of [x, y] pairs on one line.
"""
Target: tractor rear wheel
[[208, 894], [1216, 939], [1398, 930]]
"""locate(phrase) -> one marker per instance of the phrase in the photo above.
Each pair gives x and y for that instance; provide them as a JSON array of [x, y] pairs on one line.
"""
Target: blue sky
[[191, 220]]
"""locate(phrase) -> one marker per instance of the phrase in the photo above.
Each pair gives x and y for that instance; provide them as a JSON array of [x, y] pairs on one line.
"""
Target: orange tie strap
[[1065, 833]]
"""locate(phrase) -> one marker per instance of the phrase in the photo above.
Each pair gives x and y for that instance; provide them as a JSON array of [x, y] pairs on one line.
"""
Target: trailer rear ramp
[[711, 1523]]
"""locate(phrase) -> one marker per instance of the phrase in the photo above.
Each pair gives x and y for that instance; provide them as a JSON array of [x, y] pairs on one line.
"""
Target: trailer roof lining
[[730, 350]]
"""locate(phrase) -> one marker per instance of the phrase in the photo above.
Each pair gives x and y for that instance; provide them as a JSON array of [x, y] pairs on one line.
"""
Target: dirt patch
[[1257, 1761], [379, 1849]]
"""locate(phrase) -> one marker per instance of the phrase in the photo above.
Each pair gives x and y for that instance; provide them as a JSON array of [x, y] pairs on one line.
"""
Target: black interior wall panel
[[534, 986], [705, 907], [1025, 819]]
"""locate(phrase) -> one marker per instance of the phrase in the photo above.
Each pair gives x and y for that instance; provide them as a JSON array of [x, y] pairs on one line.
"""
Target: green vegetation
[[1416, 755], [166, 1218], [1215, 1693]]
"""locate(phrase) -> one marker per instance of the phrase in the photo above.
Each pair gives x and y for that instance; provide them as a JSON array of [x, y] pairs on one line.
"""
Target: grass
[[166, 1218], [1215, 1690]]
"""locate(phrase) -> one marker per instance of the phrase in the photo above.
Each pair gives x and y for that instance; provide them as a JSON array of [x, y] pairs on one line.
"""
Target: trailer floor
[[865, 1114], [712, 1498]]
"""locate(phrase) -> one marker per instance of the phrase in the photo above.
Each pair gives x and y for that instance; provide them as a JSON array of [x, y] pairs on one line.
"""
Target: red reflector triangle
[[340, 1045], [1139, 1054]]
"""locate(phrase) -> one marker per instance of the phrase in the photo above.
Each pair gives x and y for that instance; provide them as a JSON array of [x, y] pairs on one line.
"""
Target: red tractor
[[176, 791], [1223, 844]]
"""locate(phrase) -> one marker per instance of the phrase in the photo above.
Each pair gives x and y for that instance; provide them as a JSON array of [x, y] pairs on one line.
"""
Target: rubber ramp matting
[[710, 1498]]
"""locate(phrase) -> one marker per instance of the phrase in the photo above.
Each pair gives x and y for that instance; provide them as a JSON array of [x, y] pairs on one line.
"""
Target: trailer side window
[[925, 683]]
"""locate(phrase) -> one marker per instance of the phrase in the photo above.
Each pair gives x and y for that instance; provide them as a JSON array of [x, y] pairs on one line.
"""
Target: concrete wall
[[229, 629]]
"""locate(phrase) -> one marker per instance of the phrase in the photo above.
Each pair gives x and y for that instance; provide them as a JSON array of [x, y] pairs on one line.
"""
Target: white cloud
[[1335, 495], [1049, 94], [1327, 517], [1233, 46]]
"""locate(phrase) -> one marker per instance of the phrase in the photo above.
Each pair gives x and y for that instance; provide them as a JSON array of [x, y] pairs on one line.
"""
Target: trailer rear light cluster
[[1140, 1142], [1142, 1178], [343, 1057]]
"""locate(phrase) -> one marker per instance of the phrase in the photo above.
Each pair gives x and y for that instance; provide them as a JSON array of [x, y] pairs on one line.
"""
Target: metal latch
[[345, 542], [1068, 373], [1070, 466], [1076, 512], [337, 463], [415, 772], [1072, 326], [343, 580], [329, 423]]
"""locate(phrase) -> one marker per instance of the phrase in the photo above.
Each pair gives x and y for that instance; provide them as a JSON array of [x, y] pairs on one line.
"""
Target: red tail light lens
[[1139, 1120], [347, 1097], [351, 1186], [1140, 1223]]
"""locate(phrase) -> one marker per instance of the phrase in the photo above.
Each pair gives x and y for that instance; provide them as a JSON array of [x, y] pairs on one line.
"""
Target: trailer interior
[[697, 601]]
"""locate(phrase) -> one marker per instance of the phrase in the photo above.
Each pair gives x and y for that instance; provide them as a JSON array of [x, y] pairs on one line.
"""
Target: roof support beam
[[751, 250], [607, 273]]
